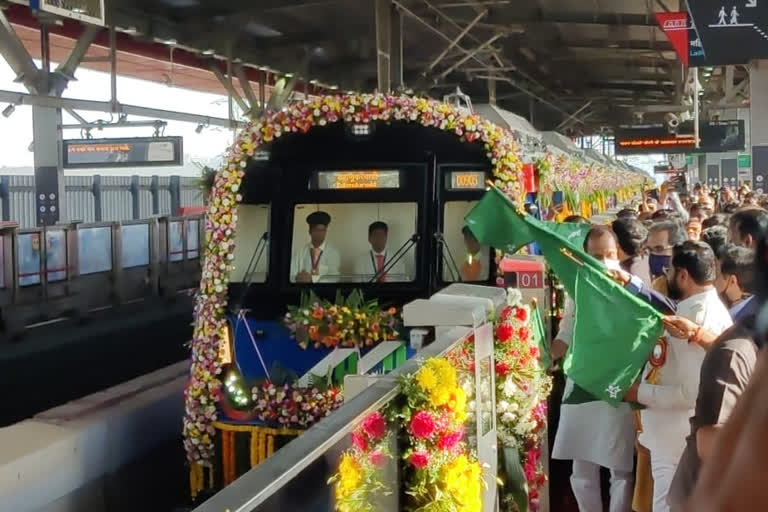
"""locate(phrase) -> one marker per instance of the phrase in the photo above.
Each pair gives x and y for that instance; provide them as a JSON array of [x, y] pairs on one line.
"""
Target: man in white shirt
[[317, 261], [670, 381], [372, 262]]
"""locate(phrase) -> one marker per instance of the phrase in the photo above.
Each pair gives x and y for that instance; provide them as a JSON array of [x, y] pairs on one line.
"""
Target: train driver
[[475, 266], [373, 261], [317, 261]]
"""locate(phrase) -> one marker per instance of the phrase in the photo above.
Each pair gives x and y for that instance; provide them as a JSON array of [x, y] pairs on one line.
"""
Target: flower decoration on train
[[440, 472], [359, 484], [221, 219], [348, 322], [293, 406]]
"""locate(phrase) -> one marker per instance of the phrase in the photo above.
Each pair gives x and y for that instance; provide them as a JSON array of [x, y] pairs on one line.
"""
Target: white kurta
[[671, 401], [594, 431]]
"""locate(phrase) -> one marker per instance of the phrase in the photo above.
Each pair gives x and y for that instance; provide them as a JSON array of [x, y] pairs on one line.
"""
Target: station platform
[[115, 450]]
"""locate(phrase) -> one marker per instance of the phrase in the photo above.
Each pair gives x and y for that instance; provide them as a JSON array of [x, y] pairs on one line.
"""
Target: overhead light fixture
[[170, 42], [200, 128], [313, 82], [334, 87], [289, 75], [9, 110], [209, 52]]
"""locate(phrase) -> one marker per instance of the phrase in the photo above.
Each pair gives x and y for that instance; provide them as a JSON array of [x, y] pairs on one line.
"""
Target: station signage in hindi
[[124, 152], [358, 179], [714, 137]]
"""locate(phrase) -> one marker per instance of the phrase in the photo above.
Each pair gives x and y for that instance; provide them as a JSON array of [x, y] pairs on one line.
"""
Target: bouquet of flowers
[[292, 406], [440, 473], [346, 322], [358, 484]]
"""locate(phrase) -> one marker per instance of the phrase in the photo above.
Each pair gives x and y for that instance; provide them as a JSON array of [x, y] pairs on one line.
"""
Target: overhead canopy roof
[[562, 143], [565, 64]]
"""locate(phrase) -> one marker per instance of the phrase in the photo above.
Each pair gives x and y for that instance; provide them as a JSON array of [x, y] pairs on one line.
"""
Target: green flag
[[614, 331], [541, 337]]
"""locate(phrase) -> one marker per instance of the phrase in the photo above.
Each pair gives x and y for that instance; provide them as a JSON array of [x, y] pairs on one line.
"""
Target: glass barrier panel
[[251, 263], [56, 255], [135, 245], [29, 259], [193, 239], [175, 241], [2, 262], [94, 250]]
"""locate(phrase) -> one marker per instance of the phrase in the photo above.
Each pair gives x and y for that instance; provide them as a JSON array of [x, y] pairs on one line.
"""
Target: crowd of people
[[697, 257]]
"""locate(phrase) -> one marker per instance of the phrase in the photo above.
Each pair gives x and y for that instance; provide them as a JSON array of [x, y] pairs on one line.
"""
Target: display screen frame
[[177, 160], [452, 183], [714, 137], [357, 179]]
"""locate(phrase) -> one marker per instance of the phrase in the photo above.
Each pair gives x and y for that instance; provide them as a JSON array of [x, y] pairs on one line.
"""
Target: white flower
[[514, 297], [508, 417], [502, 406], [471, 405], [510, 388]]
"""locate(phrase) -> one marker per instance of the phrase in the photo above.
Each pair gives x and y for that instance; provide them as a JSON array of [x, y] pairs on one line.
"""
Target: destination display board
[[714, 137], [358, 179], [724, 33], [125, 152], [466, 180]]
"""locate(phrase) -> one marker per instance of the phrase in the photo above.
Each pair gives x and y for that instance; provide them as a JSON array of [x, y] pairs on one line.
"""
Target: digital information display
[[358, 180], [467, 180], [714, 137], [727, 32], [114, 153]]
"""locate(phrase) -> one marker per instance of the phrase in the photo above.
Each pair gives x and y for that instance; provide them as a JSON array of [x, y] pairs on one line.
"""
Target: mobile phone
[[558, 197]]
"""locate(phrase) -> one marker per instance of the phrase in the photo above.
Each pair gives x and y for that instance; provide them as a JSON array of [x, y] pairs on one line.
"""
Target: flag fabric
[[540, 334], [614, 331]]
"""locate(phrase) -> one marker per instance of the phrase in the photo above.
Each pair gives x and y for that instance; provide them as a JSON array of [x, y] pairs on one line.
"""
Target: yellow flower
[[440, 396], [349, 476], [426, 379]]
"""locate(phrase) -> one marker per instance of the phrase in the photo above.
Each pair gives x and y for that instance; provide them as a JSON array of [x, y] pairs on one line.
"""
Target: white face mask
[[612, 264]]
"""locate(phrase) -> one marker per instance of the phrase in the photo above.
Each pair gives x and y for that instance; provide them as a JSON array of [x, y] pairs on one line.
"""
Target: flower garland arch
[[204, 387]]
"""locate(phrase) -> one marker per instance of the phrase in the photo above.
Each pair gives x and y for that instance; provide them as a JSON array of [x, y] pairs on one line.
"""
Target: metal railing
[[259, 489]]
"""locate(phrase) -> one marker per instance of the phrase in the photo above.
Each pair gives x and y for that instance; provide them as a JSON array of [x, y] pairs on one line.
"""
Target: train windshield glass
[[251, 261], [462, 254], [354, 242]]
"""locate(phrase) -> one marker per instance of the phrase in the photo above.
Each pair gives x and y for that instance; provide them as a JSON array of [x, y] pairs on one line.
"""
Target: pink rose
[[375, 426], [377, 458], [359, 442]]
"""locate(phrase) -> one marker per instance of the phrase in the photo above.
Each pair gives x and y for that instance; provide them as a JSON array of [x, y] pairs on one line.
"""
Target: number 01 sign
[[530, 279]]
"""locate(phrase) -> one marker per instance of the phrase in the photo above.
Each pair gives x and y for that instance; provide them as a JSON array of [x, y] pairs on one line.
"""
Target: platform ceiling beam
[[12, 49]]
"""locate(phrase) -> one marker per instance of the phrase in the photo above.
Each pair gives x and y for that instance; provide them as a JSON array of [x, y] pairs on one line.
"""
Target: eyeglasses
[[656, 249]]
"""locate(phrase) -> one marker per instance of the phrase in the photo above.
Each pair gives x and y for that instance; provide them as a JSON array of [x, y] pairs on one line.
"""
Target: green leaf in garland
[[516, 484]]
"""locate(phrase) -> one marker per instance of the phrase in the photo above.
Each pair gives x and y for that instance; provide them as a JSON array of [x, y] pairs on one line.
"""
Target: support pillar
[[396, 50], [758, 80], [383, 16], [49, 174]]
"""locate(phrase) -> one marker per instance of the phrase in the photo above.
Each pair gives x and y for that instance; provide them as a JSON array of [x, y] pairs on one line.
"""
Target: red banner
[[530, 178], [675, 26]]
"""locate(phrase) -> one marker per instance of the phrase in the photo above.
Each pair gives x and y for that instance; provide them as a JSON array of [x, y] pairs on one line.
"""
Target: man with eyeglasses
[[662, 238]]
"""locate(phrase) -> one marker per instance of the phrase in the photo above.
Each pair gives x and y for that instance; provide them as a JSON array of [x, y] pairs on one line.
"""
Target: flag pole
[[568, 254], [520, 211]]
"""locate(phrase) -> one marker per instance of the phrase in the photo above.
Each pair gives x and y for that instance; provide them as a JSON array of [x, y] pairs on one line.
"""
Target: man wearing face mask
[[734, 281], [595, 434], [662, 238], [670, 381]]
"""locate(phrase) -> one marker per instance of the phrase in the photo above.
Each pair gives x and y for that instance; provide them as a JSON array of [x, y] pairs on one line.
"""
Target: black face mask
[[657, 263]]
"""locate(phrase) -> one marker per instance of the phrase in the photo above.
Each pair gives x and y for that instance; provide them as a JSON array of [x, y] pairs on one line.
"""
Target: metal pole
[[113, 66], [573, 116], [470, 55], [45, 51], [453, 43], [695, 73]]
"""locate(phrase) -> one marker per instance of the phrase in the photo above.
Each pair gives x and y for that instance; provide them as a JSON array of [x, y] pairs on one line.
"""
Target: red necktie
[[380, 267]]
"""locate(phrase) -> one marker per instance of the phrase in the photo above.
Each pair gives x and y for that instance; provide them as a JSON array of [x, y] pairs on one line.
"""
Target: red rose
[[524, 333], [505, 313], [419, 460], [521, 314], [502, 369], [534, 351], [359, 442], [504, 333], [449, 441], [422, 425], [375, 426]]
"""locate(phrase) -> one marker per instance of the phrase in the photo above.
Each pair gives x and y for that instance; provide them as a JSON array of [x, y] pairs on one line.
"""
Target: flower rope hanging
[[203, 389]]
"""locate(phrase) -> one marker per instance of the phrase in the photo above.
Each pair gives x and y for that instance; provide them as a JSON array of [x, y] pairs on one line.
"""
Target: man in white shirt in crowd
[[373, 262], [316, 261], [670, 381]]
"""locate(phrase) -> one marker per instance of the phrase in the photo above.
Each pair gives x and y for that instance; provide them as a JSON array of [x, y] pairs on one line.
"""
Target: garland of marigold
[[204, 385]]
